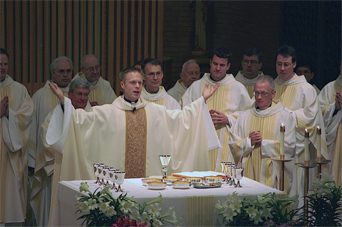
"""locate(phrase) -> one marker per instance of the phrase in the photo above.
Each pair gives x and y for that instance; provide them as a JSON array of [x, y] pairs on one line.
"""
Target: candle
[[282, 134], [306, 146], [319, 133]]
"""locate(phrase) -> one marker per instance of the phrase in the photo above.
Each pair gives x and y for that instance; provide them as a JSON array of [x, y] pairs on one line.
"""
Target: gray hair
[[188, 62], [266, 78], [77, 83], [57, 60], [83, 62]]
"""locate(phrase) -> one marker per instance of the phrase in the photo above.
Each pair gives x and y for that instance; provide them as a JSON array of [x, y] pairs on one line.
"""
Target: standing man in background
[[296, 94], [231, 96], [153, 90], [307, 71], [44, 101], [16, 109], [255, 136], [190, 73], [101, 92], [330, 99], [251, 68]]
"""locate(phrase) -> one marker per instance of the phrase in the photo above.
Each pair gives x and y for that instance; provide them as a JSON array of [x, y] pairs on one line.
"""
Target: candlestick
[[319, 133], [282, 135], [306, 146]]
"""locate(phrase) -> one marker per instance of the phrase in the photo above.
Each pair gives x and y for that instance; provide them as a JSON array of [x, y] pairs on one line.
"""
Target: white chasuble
[[177, 91], [100, 136], [100, 91], [13, 159], [231, 96], [161, 98], [333, 126], [257, 159], [248, 83]]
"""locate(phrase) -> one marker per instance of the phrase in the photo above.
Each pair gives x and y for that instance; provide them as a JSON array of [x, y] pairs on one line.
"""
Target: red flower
[[127, 222]]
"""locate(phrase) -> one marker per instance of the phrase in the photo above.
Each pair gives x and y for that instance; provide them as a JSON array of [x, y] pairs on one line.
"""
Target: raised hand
[[4, 107], [57, 91], [209, 90]]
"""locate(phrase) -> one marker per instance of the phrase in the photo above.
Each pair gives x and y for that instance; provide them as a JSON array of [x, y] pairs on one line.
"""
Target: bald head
[[90, 67], [190, 72]]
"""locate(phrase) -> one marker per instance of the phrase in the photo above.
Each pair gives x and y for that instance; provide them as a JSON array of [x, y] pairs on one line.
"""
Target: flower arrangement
[[268, 209], [100, 208]]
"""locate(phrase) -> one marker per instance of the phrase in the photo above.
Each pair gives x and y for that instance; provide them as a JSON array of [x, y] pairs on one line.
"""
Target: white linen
[[184, 202]]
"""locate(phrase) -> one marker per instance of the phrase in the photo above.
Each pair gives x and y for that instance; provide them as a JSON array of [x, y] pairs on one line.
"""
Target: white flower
[[83, 206], [109, 211], [84, 187], [92, 203]]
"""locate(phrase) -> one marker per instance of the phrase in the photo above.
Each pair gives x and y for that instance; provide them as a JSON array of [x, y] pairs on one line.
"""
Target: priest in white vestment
[[296, 94], [101, 92], [231, 96], [44, 101], [153, 91], [251, 65], [330, 99], [190, 73], [130, 134], [79, 90], [16, 109], [256, 136]]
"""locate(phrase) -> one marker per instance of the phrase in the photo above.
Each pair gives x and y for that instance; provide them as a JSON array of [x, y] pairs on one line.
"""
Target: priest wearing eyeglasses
[[256, 136]]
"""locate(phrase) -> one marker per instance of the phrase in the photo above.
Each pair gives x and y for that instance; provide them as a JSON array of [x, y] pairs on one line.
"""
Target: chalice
[[165, 161], [119, 179], [238, 176]]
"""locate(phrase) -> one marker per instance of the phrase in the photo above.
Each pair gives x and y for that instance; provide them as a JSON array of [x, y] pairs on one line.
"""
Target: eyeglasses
[[262, 93], [93, 68], [252, 62], [63, 71]]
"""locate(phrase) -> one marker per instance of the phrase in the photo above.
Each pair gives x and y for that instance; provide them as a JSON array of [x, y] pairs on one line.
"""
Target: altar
[[193, 207]]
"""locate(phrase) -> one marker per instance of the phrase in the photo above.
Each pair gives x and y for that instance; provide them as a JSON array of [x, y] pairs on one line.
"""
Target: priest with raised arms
[[130, 134]]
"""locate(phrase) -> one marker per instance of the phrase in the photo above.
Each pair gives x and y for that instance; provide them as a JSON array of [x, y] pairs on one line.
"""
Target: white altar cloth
[[194, 207]]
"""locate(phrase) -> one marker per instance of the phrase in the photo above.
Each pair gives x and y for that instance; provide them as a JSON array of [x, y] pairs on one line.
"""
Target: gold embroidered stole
[[253, 165], [218, 102], [136, 141]]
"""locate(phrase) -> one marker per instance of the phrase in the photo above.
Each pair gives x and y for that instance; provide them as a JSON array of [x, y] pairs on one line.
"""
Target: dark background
[[313, 28]]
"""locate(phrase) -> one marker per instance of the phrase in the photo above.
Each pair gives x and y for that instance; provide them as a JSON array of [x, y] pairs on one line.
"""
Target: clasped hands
[[256, 138]]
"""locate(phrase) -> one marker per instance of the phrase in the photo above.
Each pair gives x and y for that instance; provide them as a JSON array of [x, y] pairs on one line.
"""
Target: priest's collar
[[125, 104], [93, 84], [132, 102], [216, 80], [258, 109]]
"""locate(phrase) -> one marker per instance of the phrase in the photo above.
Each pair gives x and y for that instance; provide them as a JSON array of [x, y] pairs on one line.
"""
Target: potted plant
[[100, 208]]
